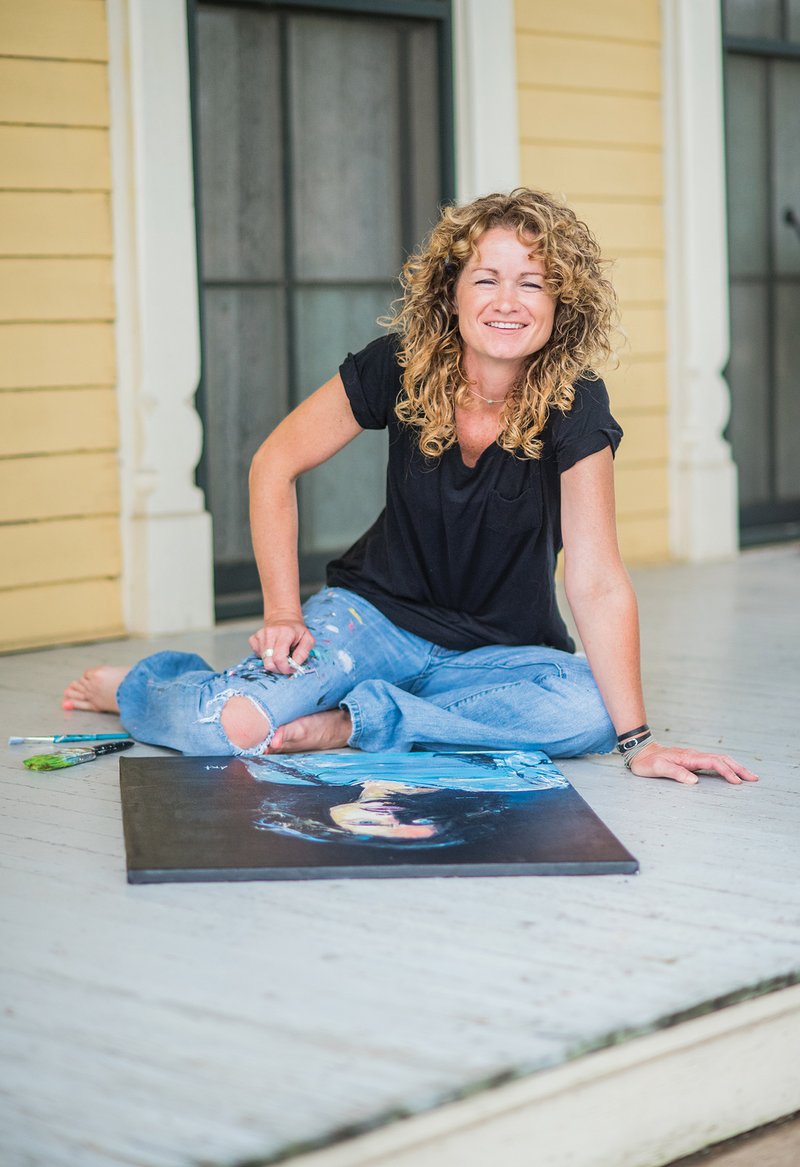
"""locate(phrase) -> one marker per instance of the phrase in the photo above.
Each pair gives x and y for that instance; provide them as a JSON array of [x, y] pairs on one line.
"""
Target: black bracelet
[[633, 732], [634, 743]]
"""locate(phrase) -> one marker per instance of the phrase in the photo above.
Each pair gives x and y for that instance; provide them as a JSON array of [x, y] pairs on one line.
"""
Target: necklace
[[488, 400]]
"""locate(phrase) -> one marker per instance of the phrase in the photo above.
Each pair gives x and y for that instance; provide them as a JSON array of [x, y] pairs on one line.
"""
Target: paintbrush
[[56, 739], [61, 759]]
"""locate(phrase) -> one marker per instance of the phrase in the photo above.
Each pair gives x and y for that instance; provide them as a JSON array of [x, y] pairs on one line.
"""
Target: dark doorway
[[762, 108], [323, 148]]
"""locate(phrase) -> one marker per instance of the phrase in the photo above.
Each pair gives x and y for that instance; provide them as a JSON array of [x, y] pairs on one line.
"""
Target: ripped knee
[[245, 725]]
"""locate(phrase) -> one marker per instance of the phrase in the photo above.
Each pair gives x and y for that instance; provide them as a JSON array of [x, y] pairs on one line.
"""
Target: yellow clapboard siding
[[592, 171], [63, 29], [645, 438], [644, 539], [39, 158], [639, 279], [624, 227], [627, 20], [638, 385], [53, 93], [552, 115], [646, 330], [52, 552], [63, 613], [49, 421], [569, 63], [56, 289], [62, 223], [641, 490], [58, 486], [37, 356]]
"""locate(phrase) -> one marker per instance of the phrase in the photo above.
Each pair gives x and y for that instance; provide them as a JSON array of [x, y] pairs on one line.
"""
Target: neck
[[490, 380]]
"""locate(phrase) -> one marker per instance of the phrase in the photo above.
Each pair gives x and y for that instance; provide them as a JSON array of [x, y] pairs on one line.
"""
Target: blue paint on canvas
[[499, 770]]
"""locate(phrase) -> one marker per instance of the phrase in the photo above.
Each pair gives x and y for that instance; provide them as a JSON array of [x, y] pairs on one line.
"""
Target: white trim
[[166, 531], [703, 481], [487, 133], [639, 1104]]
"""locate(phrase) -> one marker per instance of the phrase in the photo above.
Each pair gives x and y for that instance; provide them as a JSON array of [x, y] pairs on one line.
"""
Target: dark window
[[323, 149], [762, 100]]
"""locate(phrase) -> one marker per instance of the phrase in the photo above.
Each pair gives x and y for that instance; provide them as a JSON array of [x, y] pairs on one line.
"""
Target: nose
[[506, 296]]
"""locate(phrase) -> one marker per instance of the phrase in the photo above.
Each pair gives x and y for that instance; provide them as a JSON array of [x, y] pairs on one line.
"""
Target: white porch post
[[487, 135], [167, 578], [704, 504]]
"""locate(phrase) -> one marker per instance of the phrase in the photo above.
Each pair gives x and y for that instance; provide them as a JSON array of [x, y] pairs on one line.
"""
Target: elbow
[[267, 465], [589, 587]]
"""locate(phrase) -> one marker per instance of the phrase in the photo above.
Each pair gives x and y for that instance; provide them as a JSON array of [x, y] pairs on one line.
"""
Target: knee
[[244, 723]]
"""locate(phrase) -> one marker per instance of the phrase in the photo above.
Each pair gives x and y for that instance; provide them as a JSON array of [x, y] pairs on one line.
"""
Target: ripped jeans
[[401, 691]]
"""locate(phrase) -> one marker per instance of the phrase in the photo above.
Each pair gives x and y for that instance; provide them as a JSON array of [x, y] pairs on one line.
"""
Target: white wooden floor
[[171, 1025]]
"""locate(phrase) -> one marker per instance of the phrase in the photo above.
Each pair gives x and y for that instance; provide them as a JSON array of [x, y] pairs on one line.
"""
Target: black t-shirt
[[465, 556]]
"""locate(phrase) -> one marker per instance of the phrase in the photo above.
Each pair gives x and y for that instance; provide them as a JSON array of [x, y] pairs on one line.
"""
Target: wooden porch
[[596, 1022]]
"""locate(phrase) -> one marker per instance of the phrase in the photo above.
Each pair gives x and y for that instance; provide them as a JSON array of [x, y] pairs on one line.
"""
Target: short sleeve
[[588, 427], [372, 382]]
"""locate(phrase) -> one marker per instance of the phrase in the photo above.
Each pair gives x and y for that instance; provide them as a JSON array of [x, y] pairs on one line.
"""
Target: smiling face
[[504, 311], [382, 811]]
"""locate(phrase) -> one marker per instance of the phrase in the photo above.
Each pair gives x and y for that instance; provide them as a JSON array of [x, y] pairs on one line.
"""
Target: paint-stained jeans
[[401, 691]]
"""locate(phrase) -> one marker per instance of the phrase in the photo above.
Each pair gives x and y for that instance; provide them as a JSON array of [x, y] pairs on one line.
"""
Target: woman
[[440, 625]]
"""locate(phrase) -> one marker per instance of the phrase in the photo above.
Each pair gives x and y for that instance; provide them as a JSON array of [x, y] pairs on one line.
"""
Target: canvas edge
[[144, 875]]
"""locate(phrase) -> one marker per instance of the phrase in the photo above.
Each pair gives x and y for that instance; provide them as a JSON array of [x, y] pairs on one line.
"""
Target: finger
[[679, 774], [303, 648], [282, 646], [723, 767], [716, 764], [661, 767], [744, 774]]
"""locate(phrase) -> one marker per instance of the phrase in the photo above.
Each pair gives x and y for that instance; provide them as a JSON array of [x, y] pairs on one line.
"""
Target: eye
[[485, 280], [531, 284]]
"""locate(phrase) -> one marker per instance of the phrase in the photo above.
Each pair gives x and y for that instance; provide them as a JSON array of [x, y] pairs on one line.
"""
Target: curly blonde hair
[[431, 351]]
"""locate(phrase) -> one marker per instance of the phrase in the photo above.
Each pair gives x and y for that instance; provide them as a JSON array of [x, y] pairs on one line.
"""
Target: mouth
[[505, 325]]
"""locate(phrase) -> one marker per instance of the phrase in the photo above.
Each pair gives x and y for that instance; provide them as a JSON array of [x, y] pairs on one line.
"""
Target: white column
[[486, 113], [168, 562], [704, 503]]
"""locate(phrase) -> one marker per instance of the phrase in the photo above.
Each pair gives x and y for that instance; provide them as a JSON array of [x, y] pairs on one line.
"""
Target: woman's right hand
[[284, 635]]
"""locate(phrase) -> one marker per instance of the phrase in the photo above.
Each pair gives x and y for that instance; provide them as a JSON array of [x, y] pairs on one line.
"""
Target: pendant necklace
[[488, 400]]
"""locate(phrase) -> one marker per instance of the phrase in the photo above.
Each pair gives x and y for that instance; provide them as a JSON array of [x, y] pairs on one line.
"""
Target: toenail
[[67, 705]]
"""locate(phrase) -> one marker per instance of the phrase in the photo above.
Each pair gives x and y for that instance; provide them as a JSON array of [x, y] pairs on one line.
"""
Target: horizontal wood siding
[[589, 77], [59, 476]]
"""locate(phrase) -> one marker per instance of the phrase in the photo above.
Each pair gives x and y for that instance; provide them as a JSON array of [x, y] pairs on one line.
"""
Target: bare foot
[[319, 731], [96, 690]]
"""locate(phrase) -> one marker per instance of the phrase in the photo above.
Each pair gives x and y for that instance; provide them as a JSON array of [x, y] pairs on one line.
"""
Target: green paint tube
[[61, 759]]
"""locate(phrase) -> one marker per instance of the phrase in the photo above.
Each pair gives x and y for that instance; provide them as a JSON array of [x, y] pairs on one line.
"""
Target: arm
[[603, 603], [312, 433]]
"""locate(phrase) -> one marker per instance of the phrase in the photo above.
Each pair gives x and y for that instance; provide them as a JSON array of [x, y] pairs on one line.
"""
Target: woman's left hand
[[657, 761]]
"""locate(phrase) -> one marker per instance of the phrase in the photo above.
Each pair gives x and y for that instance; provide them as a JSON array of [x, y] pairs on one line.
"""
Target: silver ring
[[269, 652]]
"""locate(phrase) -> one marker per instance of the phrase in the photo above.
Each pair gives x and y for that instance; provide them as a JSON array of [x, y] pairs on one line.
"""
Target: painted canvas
[[337, 815]]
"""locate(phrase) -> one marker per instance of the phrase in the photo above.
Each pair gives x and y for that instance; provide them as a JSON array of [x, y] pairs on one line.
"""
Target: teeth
[[507, 324]]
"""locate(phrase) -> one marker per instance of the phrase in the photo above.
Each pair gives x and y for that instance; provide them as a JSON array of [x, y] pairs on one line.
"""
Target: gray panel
[[753, 18], [339, 500], [240, 144], [748, 374], [246, 397], [793, 30], [748, 166], [786, 161], [423, 96], [345, 133], [787, 389]]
